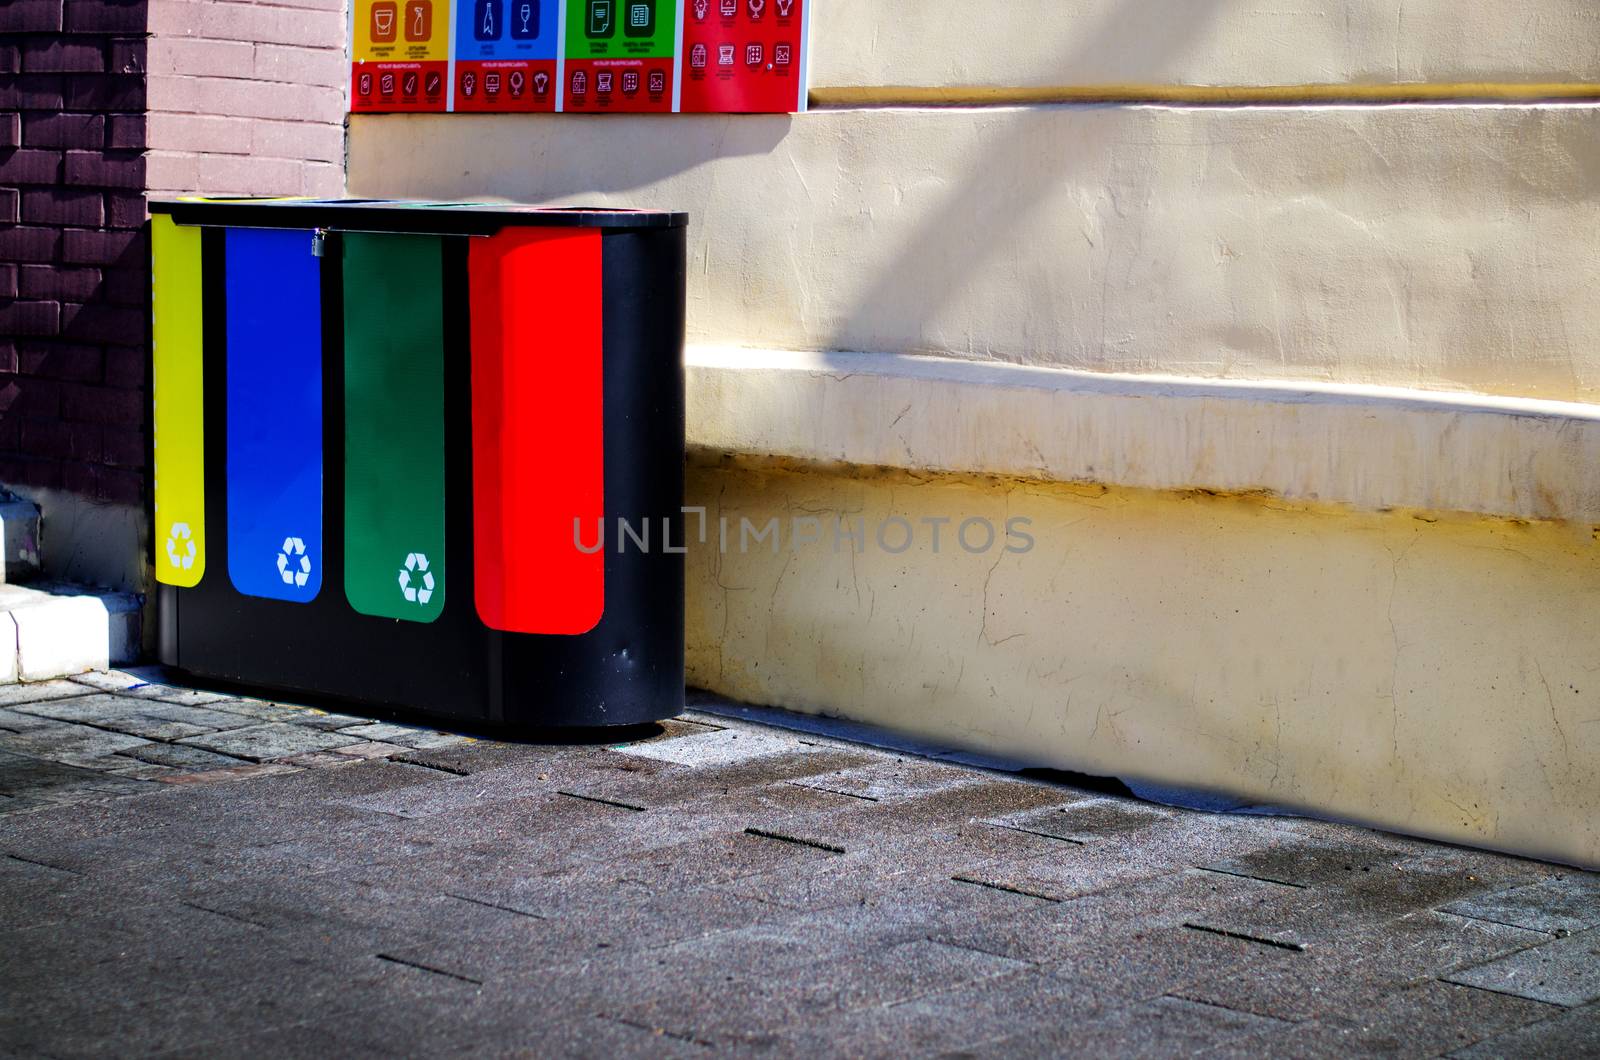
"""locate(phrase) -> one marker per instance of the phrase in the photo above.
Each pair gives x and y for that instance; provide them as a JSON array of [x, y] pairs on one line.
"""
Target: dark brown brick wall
[[74, 271]]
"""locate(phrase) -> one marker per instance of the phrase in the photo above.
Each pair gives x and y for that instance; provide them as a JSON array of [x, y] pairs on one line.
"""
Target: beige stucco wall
[[1364, 448], [1437, 677], [1378, 321], [1203, 42], [1444, 247]]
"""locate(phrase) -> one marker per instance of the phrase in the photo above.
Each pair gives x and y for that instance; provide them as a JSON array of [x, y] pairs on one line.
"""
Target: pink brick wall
[[73, 274], [101, 103], [247, 98]]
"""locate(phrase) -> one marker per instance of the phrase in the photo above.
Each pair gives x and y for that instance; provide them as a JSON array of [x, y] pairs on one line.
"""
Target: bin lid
[[404, 215]]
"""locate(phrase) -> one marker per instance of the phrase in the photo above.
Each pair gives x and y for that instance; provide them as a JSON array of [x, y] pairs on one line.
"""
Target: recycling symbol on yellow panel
[[292, 572], [419, 591], [180, 546]]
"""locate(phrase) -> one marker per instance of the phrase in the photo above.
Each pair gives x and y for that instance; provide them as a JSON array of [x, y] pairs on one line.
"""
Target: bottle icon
[[419, 20], [524, 19], [600, 23], [485, 20]]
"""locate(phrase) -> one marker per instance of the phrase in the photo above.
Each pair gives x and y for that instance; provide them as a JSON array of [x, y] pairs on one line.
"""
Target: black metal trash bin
[[423, 456]]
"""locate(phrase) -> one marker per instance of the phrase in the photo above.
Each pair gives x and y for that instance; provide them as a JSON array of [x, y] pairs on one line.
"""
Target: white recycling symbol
[[422, 592], [180, 546], [294, 573]]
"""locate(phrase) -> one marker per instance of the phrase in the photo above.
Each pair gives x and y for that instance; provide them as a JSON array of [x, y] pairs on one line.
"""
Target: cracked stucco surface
[[1434, 247], [1435, 677], [1205, 42]]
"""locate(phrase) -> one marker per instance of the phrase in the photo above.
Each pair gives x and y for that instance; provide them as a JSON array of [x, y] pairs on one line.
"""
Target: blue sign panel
[[274, 383], [506, 29]]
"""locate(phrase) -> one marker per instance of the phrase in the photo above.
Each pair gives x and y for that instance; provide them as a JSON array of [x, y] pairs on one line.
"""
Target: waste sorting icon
[[416, 580], [180, 546], [294, 566]]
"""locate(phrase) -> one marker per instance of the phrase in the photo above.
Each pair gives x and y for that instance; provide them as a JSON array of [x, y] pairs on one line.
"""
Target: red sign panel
[[743, 55], [398, 86]]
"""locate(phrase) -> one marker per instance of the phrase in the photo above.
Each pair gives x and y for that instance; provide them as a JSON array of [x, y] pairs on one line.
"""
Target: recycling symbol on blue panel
[[416, 580], [294, 566]]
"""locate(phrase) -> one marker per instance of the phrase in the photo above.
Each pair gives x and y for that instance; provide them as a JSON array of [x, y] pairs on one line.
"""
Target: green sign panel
[[394, 426], [621, 29]]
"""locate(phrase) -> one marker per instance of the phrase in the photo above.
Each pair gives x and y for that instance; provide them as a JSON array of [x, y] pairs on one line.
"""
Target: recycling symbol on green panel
[[180, 546], [291, 572], [416, 580]]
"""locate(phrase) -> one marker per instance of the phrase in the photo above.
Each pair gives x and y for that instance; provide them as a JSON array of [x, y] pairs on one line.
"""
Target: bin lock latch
[[319, 239]]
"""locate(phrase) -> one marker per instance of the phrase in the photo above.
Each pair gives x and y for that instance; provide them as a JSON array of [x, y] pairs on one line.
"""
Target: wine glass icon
[[525, 12]]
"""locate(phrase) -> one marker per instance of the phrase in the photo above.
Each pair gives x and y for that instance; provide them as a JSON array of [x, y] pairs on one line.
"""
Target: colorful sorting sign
[[401, 52], [580, 56], [505, 55]]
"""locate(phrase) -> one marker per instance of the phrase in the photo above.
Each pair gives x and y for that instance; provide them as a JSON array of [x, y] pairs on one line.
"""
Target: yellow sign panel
[[402, 31], [180, 465]]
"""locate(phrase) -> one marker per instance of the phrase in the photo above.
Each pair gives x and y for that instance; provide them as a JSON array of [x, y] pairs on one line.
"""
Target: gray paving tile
[[1563, 972], [1308, 864], [888, 780], [261, 710], [86, 709], [955, 1021], [403, 735], [467, 758], [1571, 1034], [738, 1009], [313, 718], [188, 697], [718, 747], [23, 774], [1570, 904], [36, 692], [12, 723], [1425, 1020], [110, 680], [70, 744], [269, 741], [177, 756], [151, 720], [1088, 820], [1163, 1027], [1350, 975], [523, 903]]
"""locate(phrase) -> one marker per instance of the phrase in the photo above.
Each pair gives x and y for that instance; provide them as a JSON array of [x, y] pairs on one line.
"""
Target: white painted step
[[57, 630]]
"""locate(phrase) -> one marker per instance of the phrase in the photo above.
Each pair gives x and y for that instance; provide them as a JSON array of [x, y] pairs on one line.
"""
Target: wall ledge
[[1364, 447]]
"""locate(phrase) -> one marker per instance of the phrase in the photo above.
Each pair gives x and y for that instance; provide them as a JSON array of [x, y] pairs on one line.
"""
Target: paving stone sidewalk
[[196, 874]]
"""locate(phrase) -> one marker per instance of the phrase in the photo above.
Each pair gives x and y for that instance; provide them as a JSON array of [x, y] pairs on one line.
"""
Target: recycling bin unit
[[423, 457]]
